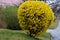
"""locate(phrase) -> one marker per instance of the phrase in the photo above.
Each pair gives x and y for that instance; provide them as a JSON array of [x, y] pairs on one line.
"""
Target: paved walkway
[[55, 33]]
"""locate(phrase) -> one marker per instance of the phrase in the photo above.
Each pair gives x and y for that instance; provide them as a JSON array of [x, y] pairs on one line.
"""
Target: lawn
[[6, 34]]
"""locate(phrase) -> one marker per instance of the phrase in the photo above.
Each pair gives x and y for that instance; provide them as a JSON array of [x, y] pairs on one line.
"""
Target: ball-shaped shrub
[[8, 18], [35, 17], [33, 0]]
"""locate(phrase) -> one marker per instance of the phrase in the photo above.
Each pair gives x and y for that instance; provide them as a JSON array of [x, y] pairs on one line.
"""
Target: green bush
[[10, 17], [2, 22]]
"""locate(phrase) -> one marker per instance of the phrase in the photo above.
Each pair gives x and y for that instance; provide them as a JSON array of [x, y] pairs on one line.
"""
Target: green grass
[[6, 34]]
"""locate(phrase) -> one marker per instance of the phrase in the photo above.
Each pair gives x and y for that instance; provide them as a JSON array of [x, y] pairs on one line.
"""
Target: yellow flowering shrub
[[35, 17], [33, 0]]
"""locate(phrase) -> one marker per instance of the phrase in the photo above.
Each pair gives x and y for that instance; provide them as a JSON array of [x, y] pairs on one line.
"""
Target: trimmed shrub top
[[35, 17]]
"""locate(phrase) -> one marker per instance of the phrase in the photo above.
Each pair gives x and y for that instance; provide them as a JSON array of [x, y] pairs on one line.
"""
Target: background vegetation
[[9, 16]]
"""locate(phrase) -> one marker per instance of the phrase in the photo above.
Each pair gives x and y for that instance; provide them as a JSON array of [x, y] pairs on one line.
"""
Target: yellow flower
[[35, 17], [33, 0]]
